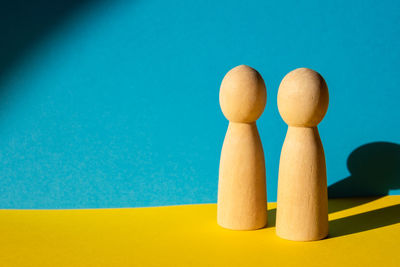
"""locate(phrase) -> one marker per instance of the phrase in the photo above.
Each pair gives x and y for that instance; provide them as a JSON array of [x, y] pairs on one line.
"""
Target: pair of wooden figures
[[302, 204]]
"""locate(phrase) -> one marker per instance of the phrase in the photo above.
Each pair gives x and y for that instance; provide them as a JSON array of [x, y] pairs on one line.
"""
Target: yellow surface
[[363, 232]]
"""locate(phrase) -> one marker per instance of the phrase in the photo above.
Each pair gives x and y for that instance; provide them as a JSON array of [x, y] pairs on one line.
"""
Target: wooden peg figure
[[242, 201], [302, 205]]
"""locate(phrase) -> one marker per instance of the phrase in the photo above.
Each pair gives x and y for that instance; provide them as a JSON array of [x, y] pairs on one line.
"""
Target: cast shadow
[[365, 221], [25, 23], [355, 223], [375, 170], [271, 218]]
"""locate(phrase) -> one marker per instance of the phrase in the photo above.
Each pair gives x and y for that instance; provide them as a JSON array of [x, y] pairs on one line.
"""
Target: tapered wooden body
[[302, 206], [242, 201]]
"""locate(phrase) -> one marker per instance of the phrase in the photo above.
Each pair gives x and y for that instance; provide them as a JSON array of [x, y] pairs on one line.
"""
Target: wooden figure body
[[242, 201], [302, 205]]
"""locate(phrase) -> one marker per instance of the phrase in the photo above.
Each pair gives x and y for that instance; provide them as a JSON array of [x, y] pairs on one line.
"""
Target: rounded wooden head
[[303, 98], [242, 95]]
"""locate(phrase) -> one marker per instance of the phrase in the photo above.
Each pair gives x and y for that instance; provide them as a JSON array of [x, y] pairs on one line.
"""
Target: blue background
[[115, 103]]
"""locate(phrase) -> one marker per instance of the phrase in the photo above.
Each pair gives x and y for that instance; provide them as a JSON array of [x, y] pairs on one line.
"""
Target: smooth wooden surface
[[302, 190], [302, 212], [363, 232], [303, 98], [242, 94], [242, 190], [242, 186]]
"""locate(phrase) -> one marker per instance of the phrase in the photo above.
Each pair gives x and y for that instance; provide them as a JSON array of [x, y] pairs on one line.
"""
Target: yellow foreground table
[[363, 232]]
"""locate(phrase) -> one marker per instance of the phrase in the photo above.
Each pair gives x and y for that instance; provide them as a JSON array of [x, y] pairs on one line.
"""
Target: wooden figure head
[[242, 95], [303, 98]]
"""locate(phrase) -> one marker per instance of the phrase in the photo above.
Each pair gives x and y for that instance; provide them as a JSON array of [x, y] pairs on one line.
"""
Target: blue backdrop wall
[[115, 103]]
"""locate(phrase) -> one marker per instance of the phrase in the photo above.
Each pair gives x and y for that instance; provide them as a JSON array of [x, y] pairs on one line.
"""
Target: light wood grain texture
[[242, 201], [302, 205]]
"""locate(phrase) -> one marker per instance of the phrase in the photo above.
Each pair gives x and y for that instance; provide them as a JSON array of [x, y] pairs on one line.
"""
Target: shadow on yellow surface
[[363, 235], [271, 217], [339, 204], [365, 221], [352, 224], [374, 172]]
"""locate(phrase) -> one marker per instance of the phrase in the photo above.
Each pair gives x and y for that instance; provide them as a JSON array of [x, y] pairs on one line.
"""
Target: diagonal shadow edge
[[357, 223], [365, 221]]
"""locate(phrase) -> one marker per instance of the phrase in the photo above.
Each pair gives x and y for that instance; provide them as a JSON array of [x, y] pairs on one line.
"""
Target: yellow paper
[[363, 232]]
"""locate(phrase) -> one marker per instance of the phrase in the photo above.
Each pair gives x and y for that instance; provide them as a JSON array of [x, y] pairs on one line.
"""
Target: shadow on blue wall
[[375, 170], [25, 23]]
